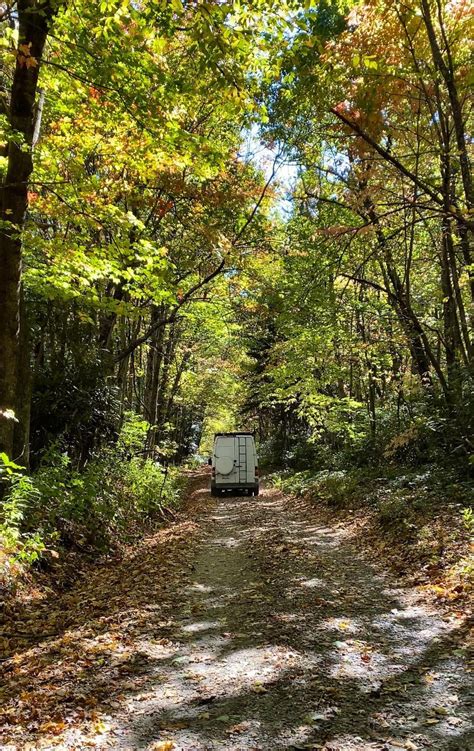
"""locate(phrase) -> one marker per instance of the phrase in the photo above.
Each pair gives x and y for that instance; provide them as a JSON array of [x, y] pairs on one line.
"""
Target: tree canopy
[[252, 214]]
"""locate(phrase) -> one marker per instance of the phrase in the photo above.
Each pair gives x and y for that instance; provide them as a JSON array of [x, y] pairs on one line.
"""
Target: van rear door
[[225, 460]]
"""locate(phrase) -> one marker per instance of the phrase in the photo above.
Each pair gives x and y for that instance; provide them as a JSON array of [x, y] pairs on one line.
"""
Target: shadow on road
[[289, 640], [271, 633]]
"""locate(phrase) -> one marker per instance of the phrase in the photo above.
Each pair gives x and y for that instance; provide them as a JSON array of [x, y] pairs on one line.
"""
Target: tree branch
[[433, 193]]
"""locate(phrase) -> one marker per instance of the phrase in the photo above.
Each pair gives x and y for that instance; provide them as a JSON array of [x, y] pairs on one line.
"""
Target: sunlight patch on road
[[200, 626], [354, 659], [197, 587], [312, 583], [343, 625]]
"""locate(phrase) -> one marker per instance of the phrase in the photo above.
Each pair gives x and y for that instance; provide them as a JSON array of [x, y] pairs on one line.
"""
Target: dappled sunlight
[[198, 587], [266, 637], [288, 654], [358, 660], [310, 583], [193, 628], [342, 625]]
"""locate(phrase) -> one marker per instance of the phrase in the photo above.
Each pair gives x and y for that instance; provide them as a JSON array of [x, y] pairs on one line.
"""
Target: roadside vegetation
[[59, 518]]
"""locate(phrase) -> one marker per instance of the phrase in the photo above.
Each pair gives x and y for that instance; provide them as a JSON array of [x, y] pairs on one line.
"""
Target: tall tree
[[34, 19]]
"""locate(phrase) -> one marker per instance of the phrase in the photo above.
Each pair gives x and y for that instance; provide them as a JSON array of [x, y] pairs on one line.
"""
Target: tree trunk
[[34, 19], [399, 299], [153, 374], [21, 432], [446, 68], [169, 350]]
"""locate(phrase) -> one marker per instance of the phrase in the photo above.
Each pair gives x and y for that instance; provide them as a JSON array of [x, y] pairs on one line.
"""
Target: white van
[[234, 464]]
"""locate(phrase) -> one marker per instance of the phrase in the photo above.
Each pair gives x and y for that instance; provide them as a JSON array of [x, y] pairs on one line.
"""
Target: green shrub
[[107, 502], [16, 545], [152, 487], [338, 489], [468, 519], [394, 510], [133, 434]]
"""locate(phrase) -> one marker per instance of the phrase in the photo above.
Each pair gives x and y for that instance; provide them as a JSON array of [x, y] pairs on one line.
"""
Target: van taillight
[[213, 472], [256, 472]]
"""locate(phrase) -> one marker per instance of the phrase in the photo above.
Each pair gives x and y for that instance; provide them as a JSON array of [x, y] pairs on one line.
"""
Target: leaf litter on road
[[191, 641]]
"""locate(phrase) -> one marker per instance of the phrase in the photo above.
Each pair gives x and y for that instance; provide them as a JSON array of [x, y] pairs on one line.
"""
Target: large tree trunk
[[34, 19]]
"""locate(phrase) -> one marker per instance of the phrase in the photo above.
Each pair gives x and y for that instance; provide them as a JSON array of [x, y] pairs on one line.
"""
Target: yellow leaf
[[259, 689], [101, 727], [52, 727]]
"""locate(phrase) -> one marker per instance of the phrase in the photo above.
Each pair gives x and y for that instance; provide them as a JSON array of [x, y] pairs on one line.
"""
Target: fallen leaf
[[52, 727]]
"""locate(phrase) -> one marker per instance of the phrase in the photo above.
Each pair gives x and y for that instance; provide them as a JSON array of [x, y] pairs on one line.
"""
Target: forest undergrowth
[[62, 519]]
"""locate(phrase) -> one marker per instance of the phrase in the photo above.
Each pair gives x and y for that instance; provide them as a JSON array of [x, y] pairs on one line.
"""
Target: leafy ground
[[246, 624], [418, 521]]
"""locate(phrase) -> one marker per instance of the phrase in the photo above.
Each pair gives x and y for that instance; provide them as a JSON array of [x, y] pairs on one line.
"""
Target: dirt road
[[269, 633]]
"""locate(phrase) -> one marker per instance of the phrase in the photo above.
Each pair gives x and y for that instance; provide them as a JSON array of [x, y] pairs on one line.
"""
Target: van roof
[[238, 432]]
